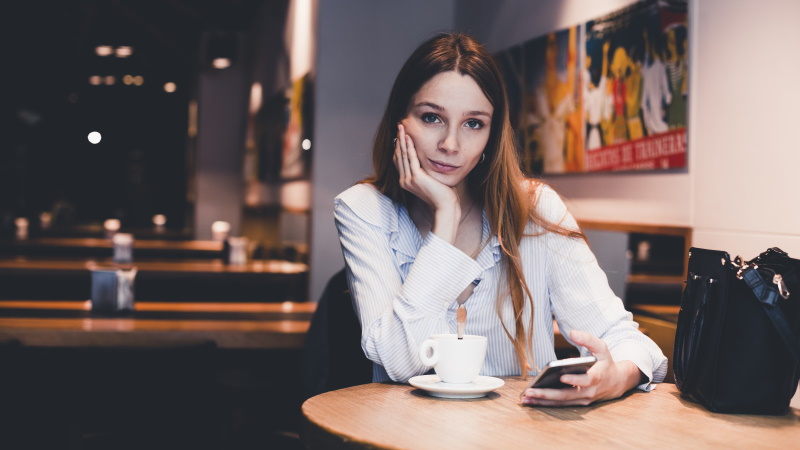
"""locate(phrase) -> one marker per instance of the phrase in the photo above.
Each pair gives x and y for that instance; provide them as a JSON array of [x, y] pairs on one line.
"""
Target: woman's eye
[[475, 124], [429, 118]]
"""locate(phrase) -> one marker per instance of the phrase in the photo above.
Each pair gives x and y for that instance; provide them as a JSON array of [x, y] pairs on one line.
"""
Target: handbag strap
[[767, 296], [687, 342]]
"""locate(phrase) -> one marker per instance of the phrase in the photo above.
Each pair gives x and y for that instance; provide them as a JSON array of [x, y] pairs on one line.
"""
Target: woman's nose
[[449, 142]]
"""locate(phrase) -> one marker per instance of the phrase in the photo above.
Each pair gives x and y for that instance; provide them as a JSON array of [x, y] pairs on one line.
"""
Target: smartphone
[[550, 376]]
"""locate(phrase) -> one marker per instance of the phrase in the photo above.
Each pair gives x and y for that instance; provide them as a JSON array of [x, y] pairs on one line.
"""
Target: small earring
[[483, 157]]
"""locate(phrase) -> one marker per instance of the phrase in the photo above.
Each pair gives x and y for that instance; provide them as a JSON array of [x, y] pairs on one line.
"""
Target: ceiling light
[[169, 87], [124, 51], [103, 50], [221, 48], [111, 224], [221, 63]]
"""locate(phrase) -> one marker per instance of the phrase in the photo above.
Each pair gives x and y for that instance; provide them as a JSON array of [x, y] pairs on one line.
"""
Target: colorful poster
[[609, 95], [542, 78]]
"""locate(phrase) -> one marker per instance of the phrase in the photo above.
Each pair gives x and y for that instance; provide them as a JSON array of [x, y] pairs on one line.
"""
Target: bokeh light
[[94, 137]]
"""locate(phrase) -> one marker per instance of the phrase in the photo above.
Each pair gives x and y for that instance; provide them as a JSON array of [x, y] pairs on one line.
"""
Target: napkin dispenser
[[235, 250], [112, 289], [122, 245]]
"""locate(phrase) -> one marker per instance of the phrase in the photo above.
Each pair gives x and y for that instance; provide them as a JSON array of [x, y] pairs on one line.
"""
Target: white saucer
[[433, 385]]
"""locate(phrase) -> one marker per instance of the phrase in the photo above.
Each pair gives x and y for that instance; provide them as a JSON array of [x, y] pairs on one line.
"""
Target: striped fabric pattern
[[404, 289]]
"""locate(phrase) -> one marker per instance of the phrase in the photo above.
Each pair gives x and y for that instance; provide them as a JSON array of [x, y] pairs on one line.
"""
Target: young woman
[[449, 218]]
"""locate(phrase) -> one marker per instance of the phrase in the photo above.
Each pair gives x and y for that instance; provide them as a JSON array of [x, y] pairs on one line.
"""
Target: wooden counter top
[[230, 325], [102, 247], [189, 280], [387, 415], [23, 263]]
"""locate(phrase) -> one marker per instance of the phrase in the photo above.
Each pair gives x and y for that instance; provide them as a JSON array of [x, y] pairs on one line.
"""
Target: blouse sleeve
[[582, 299], [398, 314]]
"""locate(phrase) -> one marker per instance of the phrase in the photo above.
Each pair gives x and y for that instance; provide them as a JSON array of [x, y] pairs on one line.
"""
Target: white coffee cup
[[454, 360]]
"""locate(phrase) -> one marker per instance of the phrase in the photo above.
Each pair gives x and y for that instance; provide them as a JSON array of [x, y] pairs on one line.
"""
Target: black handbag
[[736, 344]]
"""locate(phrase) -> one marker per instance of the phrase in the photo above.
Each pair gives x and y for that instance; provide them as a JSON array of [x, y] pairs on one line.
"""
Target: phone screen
[[550, 376]]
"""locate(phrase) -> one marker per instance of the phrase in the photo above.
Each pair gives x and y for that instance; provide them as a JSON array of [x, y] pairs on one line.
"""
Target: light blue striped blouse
[[404, 289]]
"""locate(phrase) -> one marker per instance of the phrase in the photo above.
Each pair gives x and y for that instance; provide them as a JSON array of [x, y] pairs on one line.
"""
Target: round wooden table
[[386, 415]]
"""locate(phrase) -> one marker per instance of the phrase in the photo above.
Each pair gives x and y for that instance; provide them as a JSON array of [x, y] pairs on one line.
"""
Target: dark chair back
[[333, 358]]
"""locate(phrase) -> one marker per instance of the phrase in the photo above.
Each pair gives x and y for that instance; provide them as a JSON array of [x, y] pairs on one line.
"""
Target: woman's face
[[449, 121]]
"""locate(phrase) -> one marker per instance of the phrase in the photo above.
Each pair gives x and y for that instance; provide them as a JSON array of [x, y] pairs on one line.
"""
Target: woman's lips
[[443, 167]]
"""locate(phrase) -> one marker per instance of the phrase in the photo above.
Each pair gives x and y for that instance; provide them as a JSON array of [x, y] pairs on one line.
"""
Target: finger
[[551, 394], [397, 150], [582, 380], [398, 141], [543, 402], [594, 344], [398, 162], [398, 165], [413, 162], [556, 397], [398, 155], [404, 154], [406, 167], [401, 139]]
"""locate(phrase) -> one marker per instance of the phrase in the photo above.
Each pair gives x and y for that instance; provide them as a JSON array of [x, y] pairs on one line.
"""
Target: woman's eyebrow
[[431, 105], [478, 113], [443, 109]]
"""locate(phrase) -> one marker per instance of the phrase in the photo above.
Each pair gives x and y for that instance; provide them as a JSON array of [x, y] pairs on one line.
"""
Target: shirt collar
[[491, 252], [407, 248]]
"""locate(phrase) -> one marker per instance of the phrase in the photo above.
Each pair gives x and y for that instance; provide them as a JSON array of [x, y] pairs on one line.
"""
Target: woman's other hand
[[606, 380], [440, 197], [414, 179]]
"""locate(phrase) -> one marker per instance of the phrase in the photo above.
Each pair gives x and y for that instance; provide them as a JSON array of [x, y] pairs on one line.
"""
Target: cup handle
[[433, 346]]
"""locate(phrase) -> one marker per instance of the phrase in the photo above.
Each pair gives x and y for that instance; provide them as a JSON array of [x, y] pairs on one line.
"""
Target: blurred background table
[[193, 280], [90, 247], [263, 326]]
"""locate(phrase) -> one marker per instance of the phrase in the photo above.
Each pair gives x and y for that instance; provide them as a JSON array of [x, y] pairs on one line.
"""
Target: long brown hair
[[499, 177]]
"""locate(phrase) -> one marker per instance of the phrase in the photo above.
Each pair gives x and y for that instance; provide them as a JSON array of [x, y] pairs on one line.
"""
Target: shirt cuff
[[640, 358], [439, 274]]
